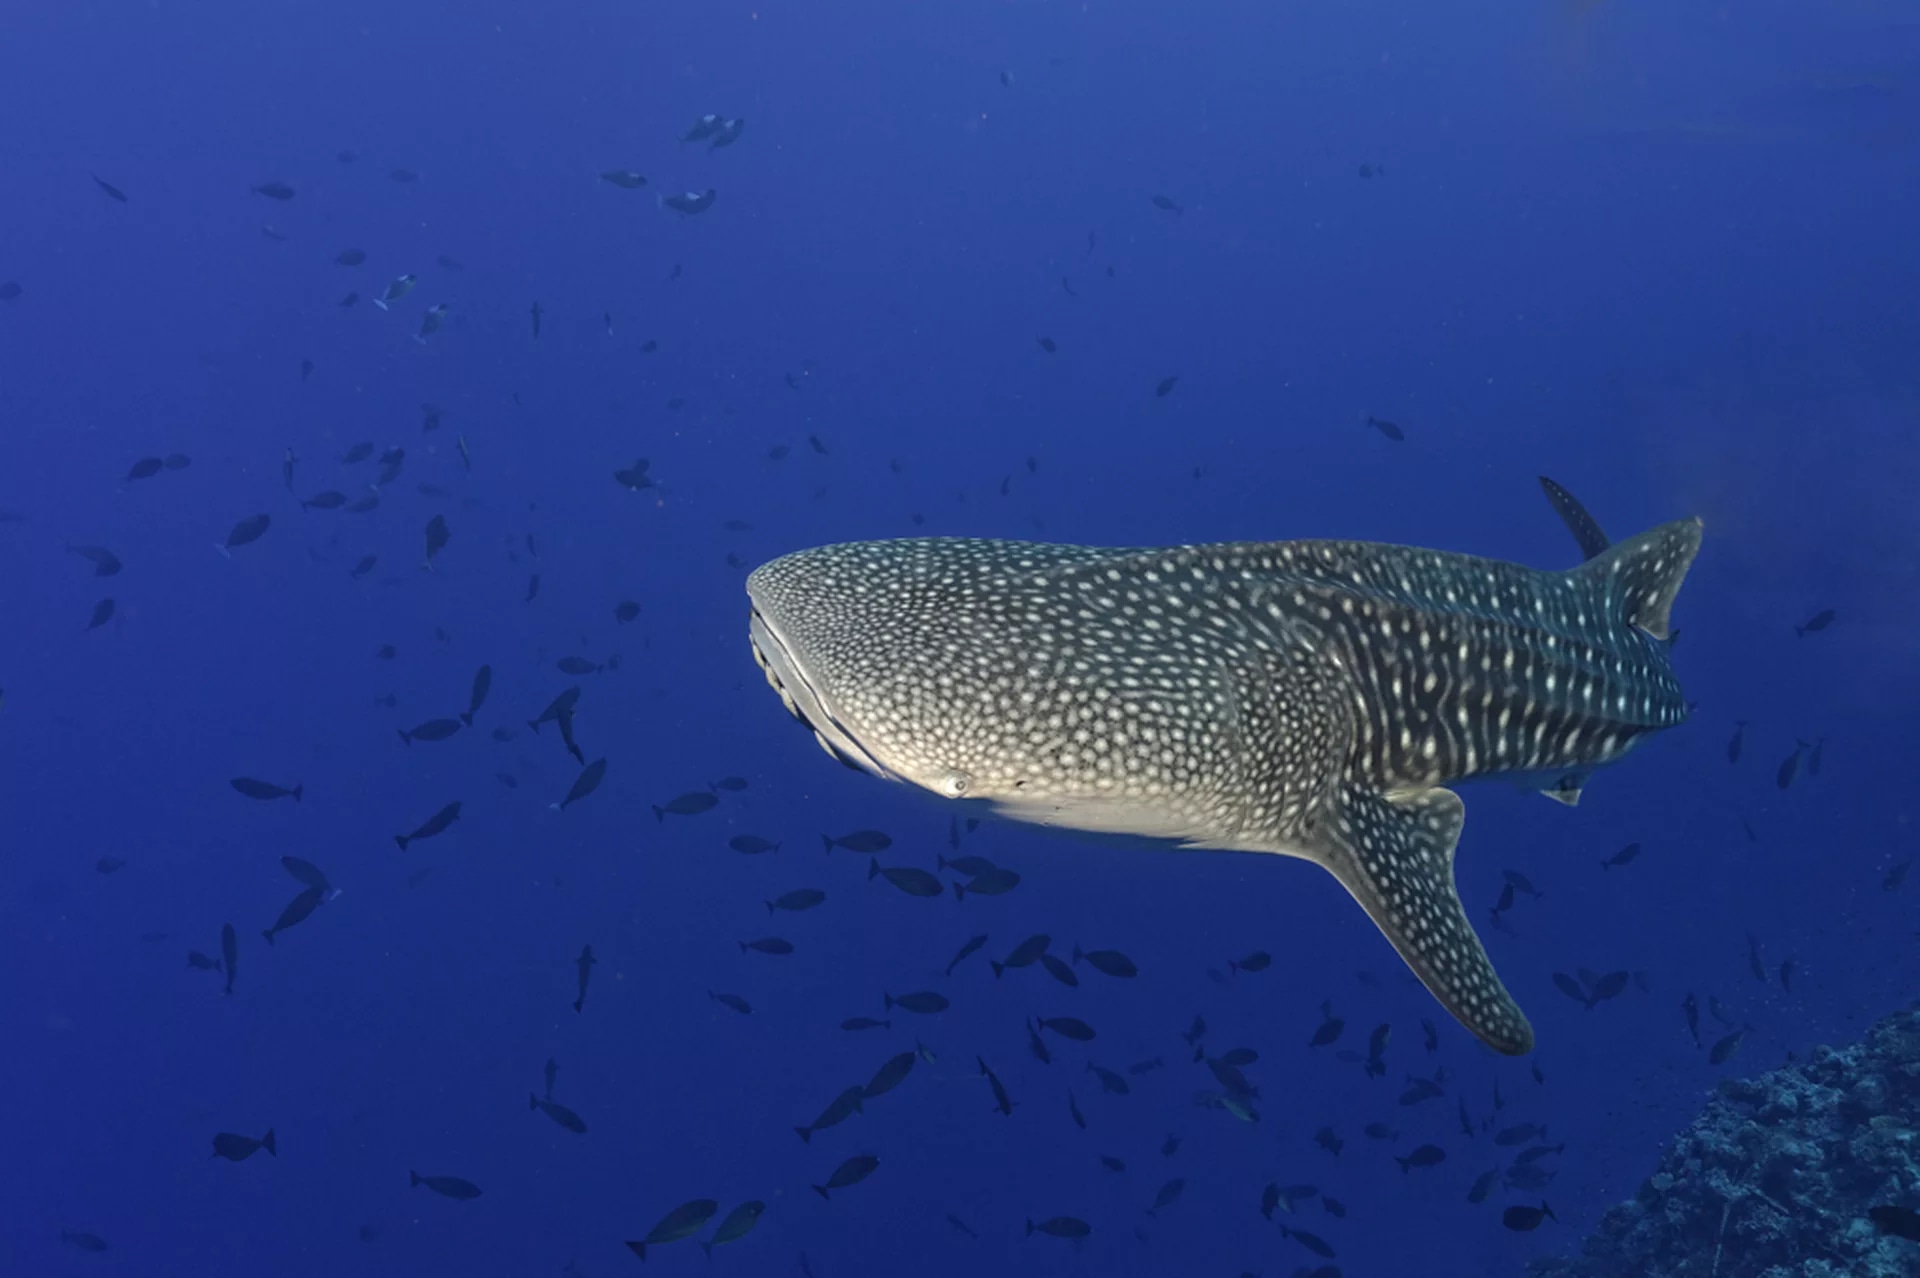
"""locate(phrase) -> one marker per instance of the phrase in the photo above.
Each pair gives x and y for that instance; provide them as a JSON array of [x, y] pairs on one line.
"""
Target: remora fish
[[1307, 698]]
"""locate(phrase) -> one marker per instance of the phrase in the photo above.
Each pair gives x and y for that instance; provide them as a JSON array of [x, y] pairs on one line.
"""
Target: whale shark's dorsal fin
[[1583, 526]]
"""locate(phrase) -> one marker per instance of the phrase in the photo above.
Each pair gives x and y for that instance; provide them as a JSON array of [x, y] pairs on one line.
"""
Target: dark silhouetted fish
[[1111, 962], [1025, 954], [558, 710], [586, 783], [1424, 1156], [1258, 961], [796, 900], [1816, 623], [266, 790], [1067, 1027], [105, 562], [1521, 1218], [689, 202], [445, 1186], [909, 879], [558, 1113], [634, 477], [971, 947], [1060, 1227], [692, 803], [246, 532], [306, 872], [1790, 766], [1900, 1222], [435, 824], [922, 1002], [237, 1148], [870, 842], [482, 682], [584, 969], [297, 911], [683, 1221], [437, 537], [431, 730], [1622, 857], [737, 1225]]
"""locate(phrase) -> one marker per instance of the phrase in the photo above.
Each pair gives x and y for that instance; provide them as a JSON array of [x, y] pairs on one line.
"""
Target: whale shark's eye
[[955, 784]]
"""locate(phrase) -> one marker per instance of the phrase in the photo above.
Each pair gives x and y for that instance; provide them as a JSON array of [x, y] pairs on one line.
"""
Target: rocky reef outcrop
[[1778, 1175]]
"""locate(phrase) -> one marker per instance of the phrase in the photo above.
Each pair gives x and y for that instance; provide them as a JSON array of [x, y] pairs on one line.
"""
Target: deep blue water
[[1665, 258]]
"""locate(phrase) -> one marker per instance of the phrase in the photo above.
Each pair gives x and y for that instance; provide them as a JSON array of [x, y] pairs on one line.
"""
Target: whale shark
[[1312, 699]]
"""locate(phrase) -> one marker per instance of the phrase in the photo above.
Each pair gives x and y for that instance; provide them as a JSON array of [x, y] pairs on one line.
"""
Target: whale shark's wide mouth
[[803, 698]]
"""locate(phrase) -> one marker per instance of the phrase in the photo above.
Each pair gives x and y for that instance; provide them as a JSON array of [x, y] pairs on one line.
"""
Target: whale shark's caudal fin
[[1648, 569], [1394, 854], [1640, 576]]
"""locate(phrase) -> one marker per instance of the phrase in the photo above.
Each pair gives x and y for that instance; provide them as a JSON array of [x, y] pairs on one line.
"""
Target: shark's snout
[[802, 693]]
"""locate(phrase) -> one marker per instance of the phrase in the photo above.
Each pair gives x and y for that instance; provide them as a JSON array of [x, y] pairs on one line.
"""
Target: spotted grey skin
[[1307, 698]]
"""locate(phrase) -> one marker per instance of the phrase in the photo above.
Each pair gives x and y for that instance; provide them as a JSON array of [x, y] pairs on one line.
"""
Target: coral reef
[[1776, 1176]]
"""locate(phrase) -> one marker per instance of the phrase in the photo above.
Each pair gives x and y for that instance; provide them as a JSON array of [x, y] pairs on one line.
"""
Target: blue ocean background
[[1662, 254]]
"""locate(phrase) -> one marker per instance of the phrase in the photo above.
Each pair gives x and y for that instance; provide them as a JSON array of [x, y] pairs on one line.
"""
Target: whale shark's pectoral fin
[[1394, 853]]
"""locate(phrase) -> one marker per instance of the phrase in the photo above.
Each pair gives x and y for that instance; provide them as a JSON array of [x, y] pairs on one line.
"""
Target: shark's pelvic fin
[[1394, 853]]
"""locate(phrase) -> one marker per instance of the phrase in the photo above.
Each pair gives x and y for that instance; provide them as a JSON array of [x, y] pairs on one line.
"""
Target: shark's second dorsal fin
[[1394, 853], [1583, 526]]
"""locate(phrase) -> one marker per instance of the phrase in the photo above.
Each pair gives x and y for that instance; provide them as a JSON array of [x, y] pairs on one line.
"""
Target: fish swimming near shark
[[1306, 698]]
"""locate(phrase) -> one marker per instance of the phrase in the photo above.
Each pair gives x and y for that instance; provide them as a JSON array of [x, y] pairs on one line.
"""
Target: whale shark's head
[[803, 642], [896, 654], [991, 671]]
